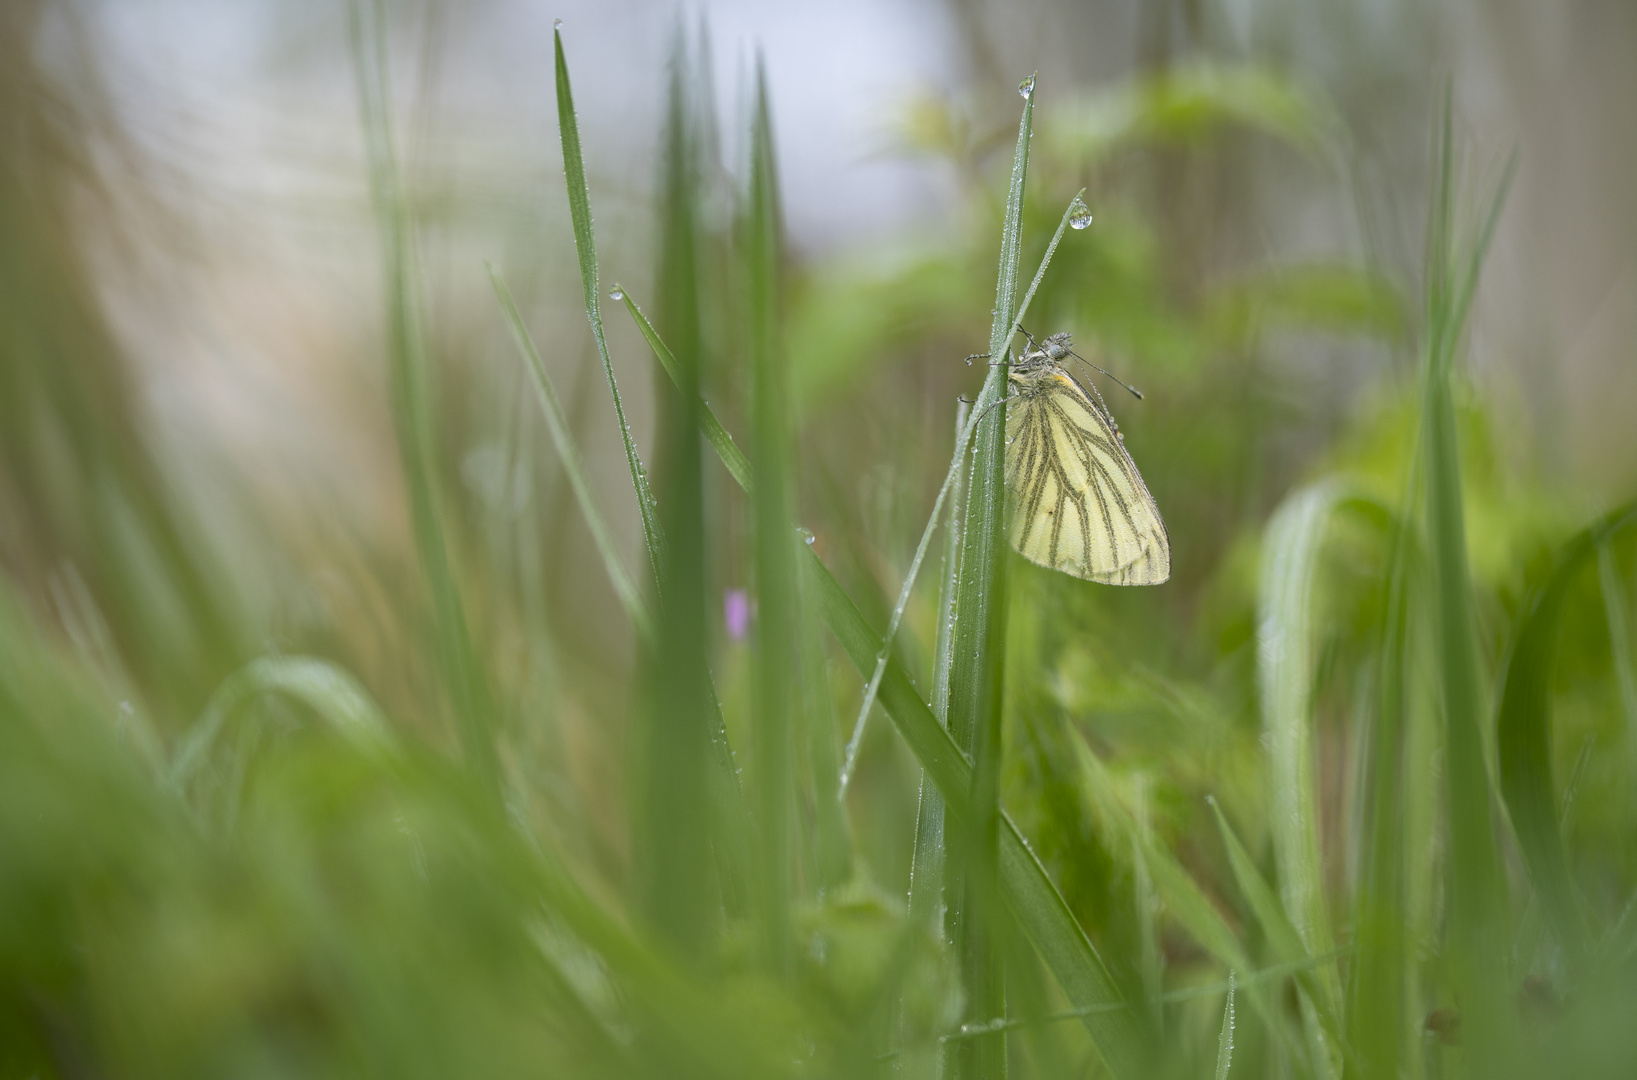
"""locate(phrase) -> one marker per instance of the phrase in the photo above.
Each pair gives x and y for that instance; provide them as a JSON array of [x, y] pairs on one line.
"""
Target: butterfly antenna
[[1134, 391]]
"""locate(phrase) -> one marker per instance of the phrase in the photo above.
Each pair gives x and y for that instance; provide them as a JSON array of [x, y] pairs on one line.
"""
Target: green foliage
[[1239, 825]]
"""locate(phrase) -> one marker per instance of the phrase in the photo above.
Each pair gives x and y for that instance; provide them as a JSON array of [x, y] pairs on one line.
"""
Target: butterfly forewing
[[1078, 503]]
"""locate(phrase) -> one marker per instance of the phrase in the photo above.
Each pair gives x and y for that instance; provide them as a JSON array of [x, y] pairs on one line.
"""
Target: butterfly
[[1077, 503]]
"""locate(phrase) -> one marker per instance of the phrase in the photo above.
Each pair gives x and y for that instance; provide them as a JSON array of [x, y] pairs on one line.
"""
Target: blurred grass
[[1238, 826]]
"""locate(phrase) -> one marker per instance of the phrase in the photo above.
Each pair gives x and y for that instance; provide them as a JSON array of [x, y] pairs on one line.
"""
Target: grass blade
[[1285, 941], [672, 826], [1025, 887], [733, 459], [963, 435], [1523, 740], [777, 667], [411, 406], [1615, 608], [585, 248], [1476, 887], [1380, 979], [1224, 1041], [569, 454], [1286, 655], [976, 675]]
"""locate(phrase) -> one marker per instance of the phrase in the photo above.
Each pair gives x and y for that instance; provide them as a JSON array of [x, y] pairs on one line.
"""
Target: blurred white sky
[[257, 93]]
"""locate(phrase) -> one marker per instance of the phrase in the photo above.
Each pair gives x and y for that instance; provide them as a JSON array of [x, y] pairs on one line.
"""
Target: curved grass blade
[[1286, 655], [330, 692], [1615, 608], [1523, 740], [569, 454]]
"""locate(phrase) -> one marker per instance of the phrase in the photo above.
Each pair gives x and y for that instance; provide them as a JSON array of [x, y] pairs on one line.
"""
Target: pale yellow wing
[[1077, 502]]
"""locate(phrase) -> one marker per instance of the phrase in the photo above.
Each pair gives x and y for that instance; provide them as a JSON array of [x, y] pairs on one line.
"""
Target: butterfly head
[[1057, 346]]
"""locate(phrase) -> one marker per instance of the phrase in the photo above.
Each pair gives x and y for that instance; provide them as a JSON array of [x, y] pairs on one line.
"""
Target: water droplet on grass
[[557, 24], [1025, 88], [619, 293], [1079, 213]]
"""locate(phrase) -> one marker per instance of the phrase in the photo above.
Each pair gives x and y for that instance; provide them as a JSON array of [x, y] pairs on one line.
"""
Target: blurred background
[[197, 459]]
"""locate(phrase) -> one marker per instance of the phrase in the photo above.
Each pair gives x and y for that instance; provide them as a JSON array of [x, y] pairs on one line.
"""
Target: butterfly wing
[[1078, 503]]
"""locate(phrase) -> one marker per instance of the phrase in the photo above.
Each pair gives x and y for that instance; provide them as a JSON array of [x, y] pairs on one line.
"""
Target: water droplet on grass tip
[[1025, 88], [557, 24], [619, 293], [1079, 213]]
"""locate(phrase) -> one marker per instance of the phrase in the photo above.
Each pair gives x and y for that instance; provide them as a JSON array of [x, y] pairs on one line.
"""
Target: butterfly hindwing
[[1078, 502]]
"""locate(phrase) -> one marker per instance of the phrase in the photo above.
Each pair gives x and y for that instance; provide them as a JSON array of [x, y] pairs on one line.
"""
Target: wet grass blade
[[977, 671], [926, 879], [1028, 892], [1025, 887], [1524, 744], [956, 470], [733, 459], [569, 454], [585, 248], [1224, 1040], [411, 405]]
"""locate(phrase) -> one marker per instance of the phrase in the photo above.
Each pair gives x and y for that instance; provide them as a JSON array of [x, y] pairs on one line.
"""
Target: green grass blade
[[569, 454], [1380, 978], [1284, 939], [1224, 1040], [585, 248], [1286, 657], [672, 825], [1615, 609], [963, 435], [776, 667], [733, 459], [331, 693], [1027, 890], [976, 676], [411, 406], [926, 879], [1524, 745], [1476, 888]]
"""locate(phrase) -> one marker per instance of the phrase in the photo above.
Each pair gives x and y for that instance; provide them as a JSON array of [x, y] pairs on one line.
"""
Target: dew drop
[[619, 293], [1079, 213], [806, 535], [557, 24], [1025, 88]]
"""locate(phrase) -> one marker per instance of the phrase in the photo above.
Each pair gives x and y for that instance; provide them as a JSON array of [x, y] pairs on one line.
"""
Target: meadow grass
[[289, 878]]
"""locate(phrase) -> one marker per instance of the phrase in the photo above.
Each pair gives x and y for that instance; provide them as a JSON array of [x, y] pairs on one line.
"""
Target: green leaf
[[976, 675], [585, 247], [569, 454], [1524, 744]]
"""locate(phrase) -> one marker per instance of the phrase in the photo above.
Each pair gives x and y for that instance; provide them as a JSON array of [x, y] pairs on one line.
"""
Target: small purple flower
[[736, 613]]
